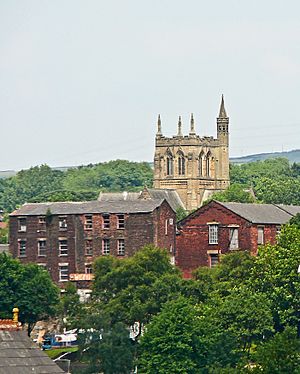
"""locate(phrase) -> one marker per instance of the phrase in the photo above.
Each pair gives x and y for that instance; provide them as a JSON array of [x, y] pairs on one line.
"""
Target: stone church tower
[[194, 166]]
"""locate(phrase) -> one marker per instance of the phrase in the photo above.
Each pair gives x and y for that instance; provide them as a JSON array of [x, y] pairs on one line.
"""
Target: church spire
[[179, 133], [192, 130], [222, 113], [159, 133]]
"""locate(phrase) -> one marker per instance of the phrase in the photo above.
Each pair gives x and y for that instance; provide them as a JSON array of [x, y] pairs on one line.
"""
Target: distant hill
[[7, 173], [292, 156]]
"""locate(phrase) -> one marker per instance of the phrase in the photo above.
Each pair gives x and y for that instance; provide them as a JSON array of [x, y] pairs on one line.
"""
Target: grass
[[54, 353]]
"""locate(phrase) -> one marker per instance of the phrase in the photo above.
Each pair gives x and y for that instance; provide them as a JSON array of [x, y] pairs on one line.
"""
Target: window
[[233, 238], [63, 247], [89, 247], [22, 248], [201, 164], [260, 235], [214, 259], [181, 164], [121, 221], [105, 246], [22, 224], [121, 247], [88, 222], [278, 230], [166, 226], [169, 164], [42, 247], [42, 220], [63, 272], [106, 221], [88, 269], [208, 164], [63, 223], [213, 234]]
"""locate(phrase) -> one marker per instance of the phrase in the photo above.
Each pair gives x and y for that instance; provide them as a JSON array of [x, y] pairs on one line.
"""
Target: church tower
[[194, 166]]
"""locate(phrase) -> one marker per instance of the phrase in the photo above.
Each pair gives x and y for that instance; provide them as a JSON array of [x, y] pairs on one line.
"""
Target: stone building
[[66, 237], [192, 165], [220, 228]]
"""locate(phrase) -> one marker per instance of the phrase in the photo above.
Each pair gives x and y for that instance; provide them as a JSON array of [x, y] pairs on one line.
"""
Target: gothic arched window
[[208, 171], [169, 164], [201, 157], [181, 164]]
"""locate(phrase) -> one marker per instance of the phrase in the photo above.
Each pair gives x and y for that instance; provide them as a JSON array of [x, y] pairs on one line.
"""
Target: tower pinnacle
[[179, 133], [222, 113], [192, 130], [159, 133]]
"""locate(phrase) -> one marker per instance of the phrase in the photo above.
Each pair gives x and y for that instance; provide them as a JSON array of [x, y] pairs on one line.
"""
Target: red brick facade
[[196, 246], [73, 241]]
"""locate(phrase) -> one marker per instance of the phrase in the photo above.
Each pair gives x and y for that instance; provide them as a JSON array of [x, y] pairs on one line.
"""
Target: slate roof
[[18, 355], [118, 206], [171, 196], [260, 213], [291, 209]]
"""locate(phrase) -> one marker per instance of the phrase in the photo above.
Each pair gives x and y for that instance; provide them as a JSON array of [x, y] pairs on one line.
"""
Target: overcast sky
[[82, 81]]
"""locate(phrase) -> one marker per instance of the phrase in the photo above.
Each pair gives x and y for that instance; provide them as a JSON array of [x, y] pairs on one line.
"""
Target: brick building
[[66, 237], [194, 166], [219, 228]]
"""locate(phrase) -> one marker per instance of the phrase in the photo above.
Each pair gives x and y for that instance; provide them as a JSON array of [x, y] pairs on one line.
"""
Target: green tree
[[108, 349], [28, 287], [184, 338], [275, 274], [130, 290], [235, 192], [279, 355], [295, 220], [70, 308]]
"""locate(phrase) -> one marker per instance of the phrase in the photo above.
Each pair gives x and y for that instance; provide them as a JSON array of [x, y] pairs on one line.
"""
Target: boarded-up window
[[260, 235], [233, 238]]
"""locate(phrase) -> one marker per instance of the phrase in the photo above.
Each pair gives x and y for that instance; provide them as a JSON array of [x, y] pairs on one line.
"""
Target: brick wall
[[139, 229], [192, 242]]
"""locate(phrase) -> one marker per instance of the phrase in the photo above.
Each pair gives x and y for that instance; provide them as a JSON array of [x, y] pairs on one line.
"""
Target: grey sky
[[83, 81]]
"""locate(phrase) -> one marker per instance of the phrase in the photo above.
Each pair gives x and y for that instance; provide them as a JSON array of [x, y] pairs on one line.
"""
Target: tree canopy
[[28, 287]]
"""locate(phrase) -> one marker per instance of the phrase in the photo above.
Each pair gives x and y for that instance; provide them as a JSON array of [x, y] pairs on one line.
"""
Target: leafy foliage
[[41, 183], [27, 287]]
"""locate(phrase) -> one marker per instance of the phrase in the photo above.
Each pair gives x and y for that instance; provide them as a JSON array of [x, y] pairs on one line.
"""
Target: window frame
[[22, 227], [64, 278], [106, 246], [91, 251], [40, 254], [22, 248], [88, 222], [121, 247], [63, 251], [106, 221], [121, 221], [213, 233], [62, 223]]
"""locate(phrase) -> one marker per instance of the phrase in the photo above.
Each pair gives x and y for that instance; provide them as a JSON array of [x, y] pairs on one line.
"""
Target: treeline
[[41, 183], [270, 181], [273, 181]]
